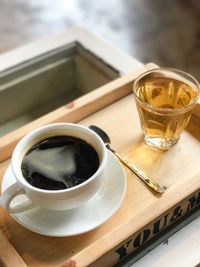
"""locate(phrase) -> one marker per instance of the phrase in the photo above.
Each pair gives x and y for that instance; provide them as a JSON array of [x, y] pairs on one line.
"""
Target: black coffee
[[59, 162]]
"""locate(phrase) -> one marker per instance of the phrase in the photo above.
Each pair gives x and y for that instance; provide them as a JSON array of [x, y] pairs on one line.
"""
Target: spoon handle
[[147, 180]]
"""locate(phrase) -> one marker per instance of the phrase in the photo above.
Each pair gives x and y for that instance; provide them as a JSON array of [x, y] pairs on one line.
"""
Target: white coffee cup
[[57, 199]]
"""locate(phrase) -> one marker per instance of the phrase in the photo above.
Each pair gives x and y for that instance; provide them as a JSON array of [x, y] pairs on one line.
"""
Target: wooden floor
[[166, 32]]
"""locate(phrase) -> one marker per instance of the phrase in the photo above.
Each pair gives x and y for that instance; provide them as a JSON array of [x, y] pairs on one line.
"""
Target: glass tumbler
[[165, 99]]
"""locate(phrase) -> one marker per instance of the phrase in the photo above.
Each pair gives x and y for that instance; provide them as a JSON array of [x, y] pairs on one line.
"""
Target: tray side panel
[[8, 255]]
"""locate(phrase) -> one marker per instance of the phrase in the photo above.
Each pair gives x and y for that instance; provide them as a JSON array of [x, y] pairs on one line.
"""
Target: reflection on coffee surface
[[59, 162]]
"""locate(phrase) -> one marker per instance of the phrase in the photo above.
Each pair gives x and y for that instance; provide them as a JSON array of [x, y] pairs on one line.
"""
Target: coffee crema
[[59, 162]]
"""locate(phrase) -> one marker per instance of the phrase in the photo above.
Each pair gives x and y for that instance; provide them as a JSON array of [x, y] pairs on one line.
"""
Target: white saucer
[[80, 220]]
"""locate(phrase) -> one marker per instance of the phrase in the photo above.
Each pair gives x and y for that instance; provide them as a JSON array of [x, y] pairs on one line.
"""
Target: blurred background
[[166, 32]]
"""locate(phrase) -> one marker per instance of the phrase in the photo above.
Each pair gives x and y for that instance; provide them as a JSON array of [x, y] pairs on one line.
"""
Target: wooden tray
[[142, 215]]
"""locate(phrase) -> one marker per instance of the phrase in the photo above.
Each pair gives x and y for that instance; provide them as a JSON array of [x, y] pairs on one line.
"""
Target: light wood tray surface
[[178, 169]]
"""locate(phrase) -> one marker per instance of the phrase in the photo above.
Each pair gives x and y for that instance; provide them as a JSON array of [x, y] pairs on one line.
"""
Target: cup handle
[[9, 194]]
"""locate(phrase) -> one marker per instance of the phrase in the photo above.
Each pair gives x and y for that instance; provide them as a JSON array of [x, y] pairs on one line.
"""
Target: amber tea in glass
[[165, 99]]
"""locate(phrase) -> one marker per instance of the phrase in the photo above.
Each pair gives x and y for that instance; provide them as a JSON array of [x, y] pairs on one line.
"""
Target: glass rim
[[167, 110]]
